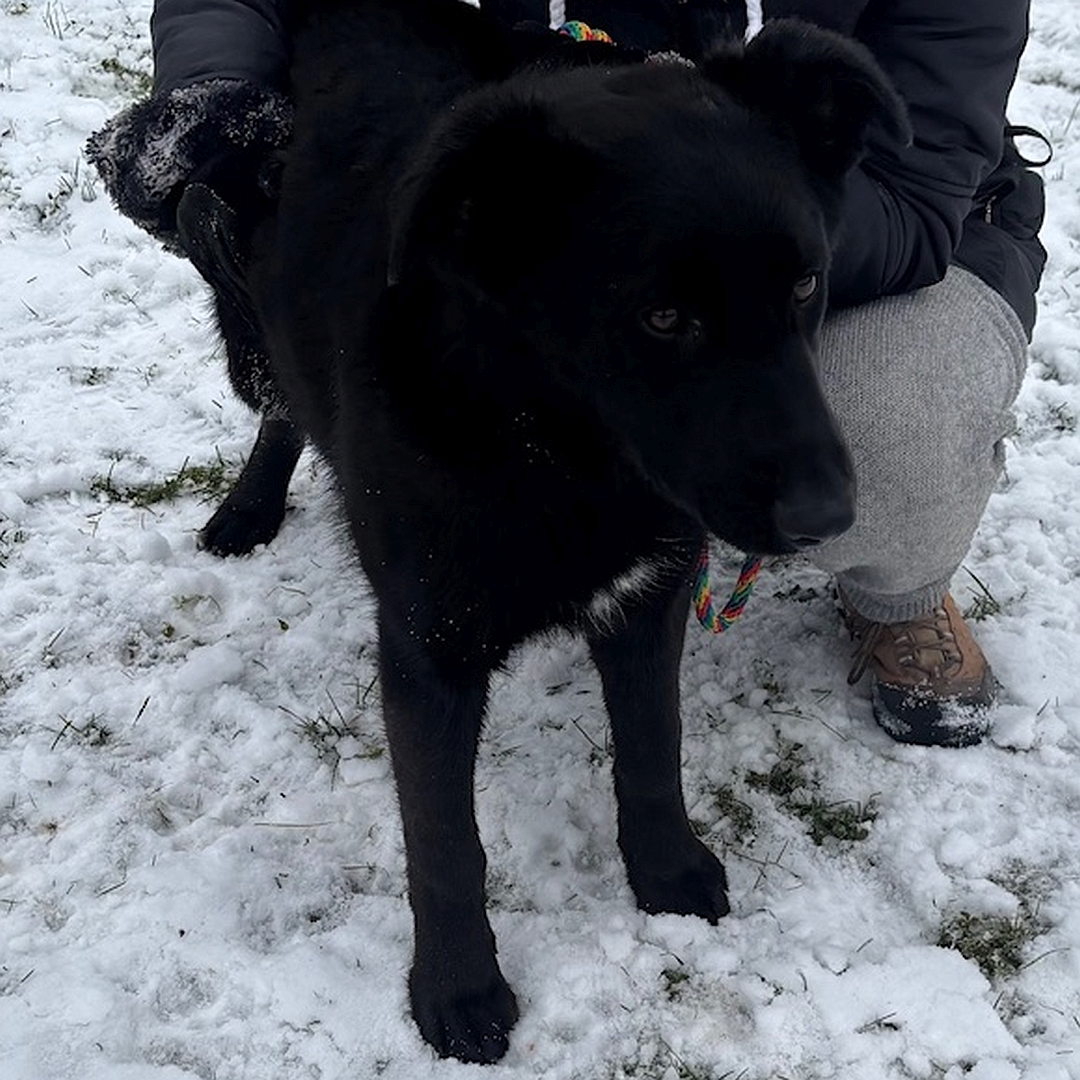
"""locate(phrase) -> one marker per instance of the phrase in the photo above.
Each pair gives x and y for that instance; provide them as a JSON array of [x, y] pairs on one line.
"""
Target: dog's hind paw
[[254, 509], [697, 887], [470, 1027]]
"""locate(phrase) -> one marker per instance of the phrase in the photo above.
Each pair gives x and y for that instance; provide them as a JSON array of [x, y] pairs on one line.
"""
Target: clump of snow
[[201, 868]]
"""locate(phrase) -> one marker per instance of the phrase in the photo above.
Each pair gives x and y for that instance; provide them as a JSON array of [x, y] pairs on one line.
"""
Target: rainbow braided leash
[[718, 621]]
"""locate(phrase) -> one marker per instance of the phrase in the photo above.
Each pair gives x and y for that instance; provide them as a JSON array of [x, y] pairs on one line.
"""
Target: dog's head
[[659, 237]]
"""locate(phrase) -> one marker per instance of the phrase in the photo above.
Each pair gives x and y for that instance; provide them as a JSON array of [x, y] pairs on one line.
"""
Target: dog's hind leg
[[255, 507], [668, 868], [460, 1000], [212, 235]]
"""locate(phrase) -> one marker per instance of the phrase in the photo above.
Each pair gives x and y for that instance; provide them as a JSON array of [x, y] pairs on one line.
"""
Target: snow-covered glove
[[149, 151]]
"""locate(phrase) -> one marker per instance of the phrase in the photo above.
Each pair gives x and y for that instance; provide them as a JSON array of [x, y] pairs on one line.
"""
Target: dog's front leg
[[460, 1000], [669, 869]]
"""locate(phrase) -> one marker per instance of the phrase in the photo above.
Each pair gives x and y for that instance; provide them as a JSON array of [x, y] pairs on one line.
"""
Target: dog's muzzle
[[812, 512]]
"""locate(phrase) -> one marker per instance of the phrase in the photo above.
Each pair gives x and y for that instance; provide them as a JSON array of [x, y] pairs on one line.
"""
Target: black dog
[[550, 327]]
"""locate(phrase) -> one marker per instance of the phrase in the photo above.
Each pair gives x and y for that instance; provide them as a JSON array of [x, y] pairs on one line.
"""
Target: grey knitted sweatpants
[[922, 386]]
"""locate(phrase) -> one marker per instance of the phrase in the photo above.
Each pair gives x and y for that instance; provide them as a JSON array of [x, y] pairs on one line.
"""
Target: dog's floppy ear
[[825, 88], [485, 197]]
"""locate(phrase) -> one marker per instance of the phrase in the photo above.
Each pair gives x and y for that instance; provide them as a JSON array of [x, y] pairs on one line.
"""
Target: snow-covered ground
[[201, 870]]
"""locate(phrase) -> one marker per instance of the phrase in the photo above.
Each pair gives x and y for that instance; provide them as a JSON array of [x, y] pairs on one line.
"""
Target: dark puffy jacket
[[195, 40], [959, 193]]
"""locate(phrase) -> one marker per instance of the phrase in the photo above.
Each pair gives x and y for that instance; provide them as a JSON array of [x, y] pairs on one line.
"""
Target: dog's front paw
[[472, 1027], [240, 524], [693, 885]]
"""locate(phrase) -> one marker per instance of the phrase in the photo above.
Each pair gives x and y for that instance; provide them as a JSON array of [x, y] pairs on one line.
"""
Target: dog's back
[[366, 80]]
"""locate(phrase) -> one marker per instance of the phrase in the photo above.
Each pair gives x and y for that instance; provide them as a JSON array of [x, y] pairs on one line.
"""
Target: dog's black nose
[[808, 518]]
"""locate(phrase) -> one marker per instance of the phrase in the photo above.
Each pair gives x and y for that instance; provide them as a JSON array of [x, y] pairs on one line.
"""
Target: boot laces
[[926, 643]]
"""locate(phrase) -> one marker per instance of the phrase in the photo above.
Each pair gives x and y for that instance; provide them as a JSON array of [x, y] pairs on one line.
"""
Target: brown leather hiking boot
[[931, 683]]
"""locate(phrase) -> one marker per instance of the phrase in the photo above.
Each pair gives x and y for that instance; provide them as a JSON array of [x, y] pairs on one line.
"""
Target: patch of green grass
[[1032, 884], [739, 815], [1000, 944], [786, 776], [845, 821], [139, 83], [995, 943], [209, 481], [673, 981], [790, 782]]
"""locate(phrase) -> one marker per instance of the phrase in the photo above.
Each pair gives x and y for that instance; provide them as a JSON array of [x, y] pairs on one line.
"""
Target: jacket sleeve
[[954, 63], [198, 40]]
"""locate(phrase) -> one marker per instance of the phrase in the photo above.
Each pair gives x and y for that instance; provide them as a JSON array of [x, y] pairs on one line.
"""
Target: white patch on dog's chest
[[606, 606]]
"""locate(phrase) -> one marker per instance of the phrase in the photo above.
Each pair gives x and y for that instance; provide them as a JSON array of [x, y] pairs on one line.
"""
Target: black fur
[[550, 329]]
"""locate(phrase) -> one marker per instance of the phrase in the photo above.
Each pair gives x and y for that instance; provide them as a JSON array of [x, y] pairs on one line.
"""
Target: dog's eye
[[804, 288], [662, 321]]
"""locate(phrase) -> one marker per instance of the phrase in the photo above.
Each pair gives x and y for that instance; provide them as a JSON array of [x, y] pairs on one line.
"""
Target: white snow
[[201, 871]]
